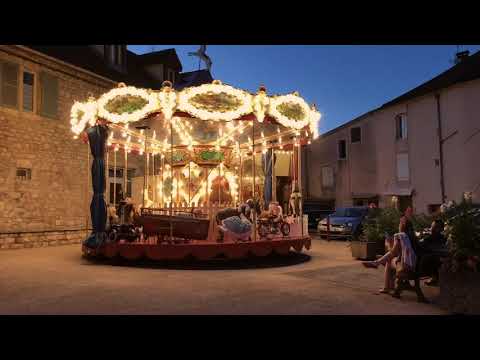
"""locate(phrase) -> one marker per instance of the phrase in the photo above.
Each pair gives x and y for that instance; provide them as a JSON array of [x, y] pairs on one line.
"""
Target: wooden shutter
[[403, 173], [327, 176], [49, 95], [9, 84]]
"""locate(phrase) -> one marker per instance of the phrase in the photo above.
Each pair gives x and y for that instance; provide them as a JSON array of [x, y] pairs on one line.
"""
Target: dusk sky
[[344, 81]]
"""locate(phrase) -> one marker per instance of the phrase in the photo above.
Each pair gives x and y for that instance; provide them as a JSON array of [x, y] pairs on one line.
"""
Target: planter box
[[380, 247], [460, 292], [364, 250]]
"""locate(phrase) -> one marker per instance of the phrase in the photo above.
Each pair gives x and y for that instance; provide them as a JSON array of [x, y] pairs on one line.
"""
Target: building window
[[28, 90], [342, 149], [24, 174], [403, 173], [327, 176], [9, 84], [49, 95], [401, 126], [356, 134]]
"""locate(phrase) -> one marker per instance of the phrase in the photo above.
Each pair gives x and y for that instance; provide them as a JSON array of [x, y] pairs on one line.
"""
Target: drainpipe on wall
[[440, 147]]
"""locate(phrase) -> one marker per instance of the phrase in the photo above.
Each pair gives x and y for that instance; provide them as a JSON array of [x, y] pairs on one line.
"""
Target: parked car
[[316, 211], [344, 222]]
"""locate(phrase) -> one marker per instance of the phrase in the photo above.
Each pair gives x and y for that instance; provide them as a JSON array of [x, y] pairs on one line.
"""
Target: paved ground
[[58, 281]]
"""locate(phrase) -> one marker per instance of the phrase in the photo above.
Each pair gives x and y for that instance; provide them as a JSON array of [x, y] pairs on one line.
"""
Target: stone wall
[[40, 239], [57, 197]]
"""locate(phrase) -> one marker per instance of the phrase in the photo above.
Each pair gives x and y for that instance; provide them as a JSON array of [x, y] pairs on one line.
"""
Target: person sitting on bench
[[400, 260], [431, 262]]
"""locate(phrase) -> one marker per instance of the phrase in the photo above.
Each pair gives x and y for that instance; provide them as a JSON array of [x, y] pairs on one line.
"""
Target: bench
[[423, 269]]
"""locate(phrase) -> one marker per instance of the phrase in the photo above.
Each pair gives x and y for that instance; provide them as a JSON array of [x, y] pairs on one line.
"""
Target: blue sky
[[344, 81]]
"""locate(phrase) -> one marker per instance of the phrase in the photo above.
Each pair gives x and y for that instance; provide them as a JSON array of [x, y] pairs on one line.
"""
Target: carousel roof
[[214, 102]]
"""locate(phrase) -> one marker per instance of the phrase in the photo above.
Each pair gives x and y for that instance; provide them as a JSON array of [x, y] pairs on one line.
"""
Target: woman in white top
[[400, 259]]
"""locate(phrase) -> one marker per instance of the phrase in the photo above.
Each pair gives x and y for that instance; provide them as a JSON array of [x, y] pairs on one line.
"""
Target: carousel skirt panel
[[200, 250]]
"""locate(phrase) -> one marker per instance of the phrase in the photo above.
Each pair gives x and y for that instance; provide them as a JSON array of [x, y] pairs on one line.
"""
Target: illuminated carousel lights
[[89, 110], [151, 106], [168, 102], [261, 103], [215, 88], [285, 121]]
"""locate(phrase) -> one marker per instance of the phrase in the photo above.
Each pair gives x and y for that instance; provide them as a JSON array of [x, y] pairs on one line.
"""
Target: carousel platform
[[199, 249]]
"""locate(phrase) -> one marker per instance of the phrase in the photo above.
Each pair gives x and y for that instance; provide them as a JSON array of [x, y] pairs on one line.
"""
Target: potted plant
[[364, 242], [364, 246], [460, 271]]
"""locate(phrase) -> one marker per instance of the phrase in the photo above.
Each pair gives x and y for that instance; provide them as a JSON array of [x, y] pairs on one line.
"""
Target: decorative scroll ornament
[[127, 104], [83, 114], [260, 104], [215, 102], [167, 99]]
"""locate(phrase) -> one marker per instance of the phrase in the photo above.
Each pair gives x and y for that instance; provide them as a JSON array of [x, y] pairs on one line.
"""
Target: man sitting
[[431, 262]]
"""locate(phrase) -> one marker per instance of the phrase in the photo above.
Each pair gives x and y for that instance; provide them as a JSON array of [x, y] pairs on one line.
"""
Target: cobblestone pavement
[[57, 280]]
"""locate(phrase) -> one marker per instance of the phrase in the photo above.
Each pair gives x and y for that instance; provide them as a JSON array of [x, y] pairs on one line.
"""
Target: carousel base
[[199, 250]]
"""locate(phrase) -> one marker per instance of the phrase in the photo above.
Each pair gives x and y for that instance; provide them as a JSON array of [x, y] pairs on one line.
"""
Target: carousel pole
[[86, 192], [241, 179], [107, 173], [171, 176], [177, 193], [125, 169], [147, 154], [145, 173], [300, 189], [189, 182], [154, 192], [115, 176], [274, 182], [162, 160], [253, 183], [207, 195], [220, 185]]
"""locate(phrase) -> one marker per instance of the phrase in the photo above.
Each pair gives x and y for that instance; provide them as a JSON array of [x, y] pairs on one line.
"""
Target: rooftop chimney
[[460, 56]]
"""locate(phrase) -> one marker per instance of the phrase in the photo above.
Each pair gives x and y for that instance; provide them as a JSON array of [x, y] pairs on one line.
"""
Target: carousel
[[207, 172]]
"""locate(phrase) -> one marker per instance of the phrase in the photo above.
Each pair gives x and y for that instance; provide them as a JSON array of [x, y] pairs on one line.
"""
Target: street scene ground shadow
[[220, 263]]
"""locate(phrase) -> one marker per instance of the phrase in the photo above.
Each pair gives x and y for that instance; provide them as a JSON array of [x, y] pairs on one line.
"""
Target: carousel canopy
[[210, 114]]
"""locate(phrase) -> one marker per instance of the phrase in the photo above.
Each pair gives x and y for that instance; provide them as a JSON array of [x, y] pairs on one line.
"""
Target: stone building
[[44, 173], [419, 149]]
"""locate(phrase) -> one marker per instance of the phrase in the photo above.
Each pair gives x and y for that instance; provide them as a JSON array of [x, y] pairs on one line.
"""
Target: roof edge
[[404, 97], [56, 60]]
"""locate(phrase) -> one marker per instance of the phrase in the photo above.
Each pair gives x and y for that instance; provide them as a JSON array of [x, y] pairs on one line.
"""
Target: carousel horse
[[295, 201]]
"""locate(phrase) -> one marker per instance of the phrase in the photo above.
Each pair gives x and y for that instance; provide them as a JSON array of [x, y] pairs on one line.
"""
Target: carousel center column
[[97, 137]]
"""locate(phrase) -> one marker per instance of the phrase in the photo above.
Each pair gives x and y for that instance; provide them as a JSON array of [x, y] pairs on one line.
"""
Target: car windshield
[[348, 212]]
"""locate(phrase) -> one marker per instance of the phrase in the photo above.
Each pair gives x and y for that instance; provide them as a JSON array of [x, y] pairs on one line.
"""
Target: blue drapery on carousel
[[267, 164], [97, 137]]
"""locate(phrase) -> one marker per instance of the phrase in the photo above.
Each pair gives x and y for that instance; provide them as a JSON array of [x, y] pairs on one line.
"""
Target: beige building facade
[[420, 149]]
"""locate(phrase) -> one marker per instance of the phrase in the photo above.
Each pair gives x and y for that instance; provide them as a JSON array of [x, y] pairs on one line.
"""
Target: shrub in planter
[[379, 224], [460, 272]]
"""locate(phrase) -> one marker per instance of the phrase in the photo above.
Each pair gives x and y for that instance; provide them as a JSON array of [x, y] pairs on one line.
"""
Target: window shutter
[[403, 173], [327, 176], [9, 84], [49, 95]]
